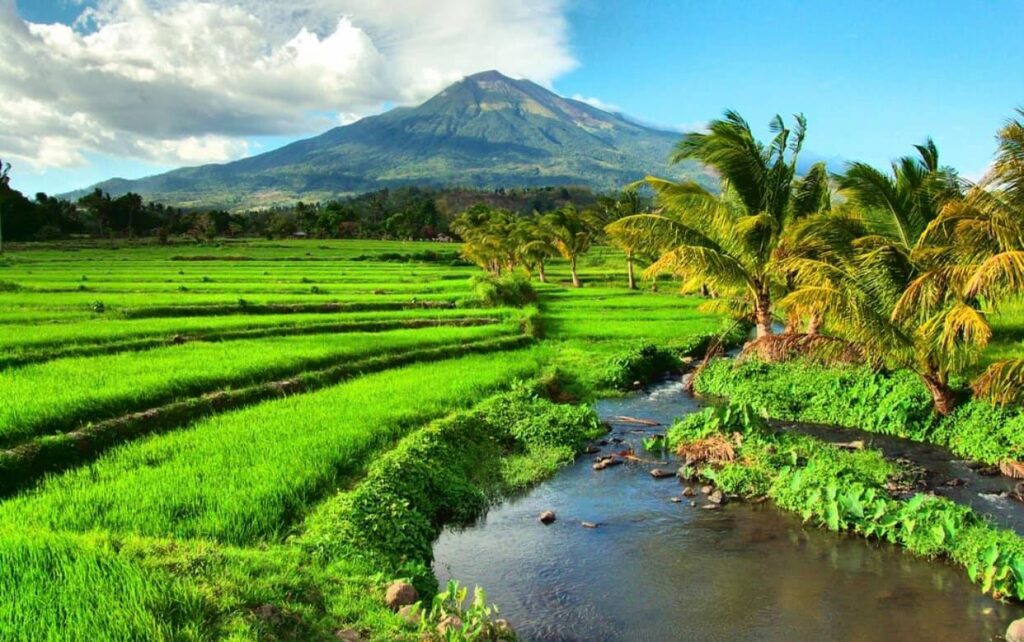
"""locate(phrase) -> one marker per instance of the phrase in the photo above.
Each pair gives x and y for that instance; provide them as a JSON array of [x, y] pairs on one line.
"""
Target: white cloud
[[597, 102], [188, 81]]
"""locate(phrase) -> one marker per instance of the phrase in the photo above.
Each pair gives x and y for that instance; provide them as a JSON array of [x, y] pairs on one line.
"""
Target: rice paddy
[[97, 333]]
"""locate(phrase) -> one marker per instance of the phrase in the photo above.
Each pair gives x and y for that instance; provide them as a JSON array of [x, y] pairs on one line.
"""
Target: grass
[[244, 477], [39, 399]]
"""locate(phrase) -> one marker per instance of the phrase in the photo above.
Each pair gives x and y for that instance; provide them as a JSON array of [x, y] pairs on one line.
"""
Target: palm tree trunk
[[943, 397], [575, 277], [540, 272], [792, 323], [763, 314], [814, 324], [629, 270]]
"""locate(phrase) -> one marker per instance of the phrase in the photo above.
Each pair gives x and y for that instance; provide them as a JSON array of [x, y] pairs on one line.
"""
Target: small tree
[[5, 185], [571, 234]]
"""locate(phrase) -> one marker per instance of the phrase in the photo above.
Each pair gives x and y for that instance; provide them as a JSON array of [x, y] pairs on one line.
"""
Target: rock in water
[[689, 492], [716, 497], [661, 473], [400, 594], [1015, 632], [547, 517], [588, 524], [705, 490]]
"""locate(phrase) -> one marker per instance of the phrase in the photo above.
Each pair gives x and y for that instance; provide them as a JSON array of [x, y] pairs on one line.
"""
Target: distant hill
[[485, 131]]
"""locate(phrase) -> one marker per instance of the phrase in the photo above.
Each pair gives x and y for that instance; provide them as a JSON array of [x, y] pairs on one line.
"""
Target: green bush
[[510, 290], [445, 473], [533, 421], [643, 363]]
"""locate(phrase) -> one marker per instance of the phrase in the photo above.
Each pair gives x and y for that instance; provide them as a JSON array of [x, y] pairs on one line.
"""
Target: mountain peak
[[491, 75]]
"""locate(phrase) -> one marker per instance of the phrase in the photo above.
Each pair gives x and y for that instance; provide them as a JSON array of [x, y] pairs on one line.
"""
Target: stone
[[716, 497], [851, 445], [547, 517], [705, 490], [689, 492], [449, 623], [661, 473], [351, 635], [675, 500], [588, 524], [1015, 632], [590, 450], [956, 481], [693, 504], [501, 625], [410, 614], [711, 506], [400, 594]]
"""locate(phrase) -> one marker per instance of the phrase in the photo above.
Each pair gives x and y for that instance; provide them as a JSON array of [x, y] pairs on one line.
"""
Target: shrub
[[643, 363], [888, 403], [510, 290]]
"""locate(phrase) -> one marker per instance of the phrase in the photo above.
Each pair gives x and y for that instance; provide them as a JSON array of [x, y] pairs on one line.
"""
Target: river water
[[653, 569]]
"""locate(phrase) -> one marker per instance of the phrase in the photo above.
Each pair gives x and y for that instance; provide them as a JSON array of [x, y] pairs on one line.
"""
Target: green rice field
[[151, 530]]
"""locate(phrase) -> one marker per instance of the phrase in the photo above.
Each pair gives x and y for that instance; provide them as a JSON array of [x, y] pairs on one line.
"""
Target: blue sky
[[873, 78]]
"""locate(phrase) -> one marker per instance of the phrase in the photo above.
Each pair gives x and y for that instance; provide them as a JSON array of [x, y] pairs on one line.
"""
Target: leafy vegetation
[[847, 491]]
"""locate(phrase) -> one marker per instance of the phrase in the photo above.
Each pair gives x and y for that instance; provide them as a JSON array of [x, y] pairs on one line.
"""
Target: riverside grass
[[40, 401], [887, 403], [847, 491]]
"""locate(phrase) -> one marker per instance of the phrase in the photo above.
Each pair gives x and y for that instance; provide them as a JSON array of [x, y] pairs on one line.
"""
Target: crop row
[[247, 476], [145, 342], [58, 395]]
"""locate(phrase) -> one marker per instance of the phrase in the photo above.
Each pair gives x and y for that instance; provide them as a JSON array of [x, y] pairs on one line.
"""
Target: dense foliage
[[894, 403]]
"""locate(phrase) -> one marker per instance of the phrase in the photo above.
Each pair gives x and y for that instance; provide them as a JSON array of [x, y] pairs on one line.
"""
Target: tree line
[[401, 213]]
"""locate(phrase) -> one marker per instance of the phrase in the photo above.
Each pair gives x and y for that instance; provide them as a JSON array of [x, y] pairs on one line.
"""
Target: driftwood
[[1012, 469], [621, 419]]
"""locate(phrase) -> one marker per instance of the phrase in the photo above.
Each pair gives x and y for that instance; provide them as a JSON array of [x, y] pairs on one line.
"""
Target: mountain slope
[[486, 130]]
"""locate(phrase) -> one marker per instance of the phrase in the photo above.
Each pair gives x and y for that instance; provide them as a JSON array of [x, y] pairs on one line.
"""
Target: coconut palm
[[725, 241], [896, 279], [533, 245], [628, 203], [571, 233]]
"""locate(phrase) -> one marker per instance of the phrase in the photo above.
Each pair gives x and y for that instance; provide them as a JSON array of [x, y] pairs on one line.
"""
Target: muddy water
[[658, 570]]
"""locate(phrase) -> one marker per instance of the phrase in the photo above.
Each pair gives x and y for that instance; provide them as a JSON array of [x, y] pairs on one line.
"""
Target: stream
[[654, 569]]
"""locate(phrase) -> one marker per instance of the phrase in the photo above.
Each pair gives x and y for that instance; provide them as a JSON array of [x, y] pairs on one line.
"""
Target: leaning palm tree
[[571, 234], [725, 241]]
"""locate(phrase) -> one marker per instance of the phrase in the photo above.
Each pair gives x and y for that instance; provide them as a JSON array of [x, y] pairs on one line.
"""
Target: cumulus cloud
[[188, 81]]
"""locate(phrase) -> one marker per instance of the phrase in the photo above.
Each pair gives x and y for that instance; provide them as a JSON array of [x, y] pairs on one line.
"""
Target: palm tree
[[987, 230], [896, 277], [571, 234], [533, 245], [489, 237], [726, 241], [629, 203]]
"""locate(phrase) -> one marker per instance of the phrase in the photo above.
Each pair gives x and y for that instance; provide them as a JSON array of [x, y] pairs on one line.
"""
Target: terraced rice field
[[163, 407]]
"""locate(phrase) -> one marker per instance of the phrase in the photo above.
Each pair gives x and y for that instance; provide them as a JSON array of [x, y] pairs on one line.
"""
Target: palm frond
[[1002, 383]]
